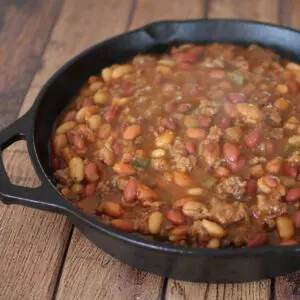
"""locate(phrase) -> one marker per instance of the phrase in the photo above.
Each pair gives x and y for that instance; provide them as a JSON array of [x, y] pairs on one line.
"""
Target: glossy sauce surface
[[199, 147]]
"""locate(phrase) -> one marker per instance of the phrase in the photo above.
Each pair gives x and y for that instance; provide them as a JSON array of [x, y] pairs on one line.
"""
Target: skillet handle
[[43, 197]]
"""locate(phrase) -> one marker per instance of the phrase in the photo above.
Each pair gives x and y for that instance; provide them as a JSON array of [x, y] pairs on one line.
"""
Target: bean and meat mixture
[[199, 147]]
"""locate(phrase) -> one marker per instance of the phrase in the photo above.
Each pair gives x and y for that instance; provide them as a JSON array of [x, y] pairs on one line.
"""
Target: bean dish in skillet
[[199, 147]]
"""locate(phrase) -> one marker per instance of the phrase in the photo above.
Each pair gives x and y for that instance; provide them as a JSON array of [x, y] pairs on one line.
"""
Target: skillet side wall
[[156, 38]]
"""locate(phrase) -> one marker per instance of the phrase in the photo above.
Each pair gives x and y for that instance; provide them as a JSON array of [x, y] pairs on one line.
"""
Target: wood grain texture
[[25, 27], [147, 11], [289, 14], [259, 10], [89, 273], [179, 290], [262, 10]]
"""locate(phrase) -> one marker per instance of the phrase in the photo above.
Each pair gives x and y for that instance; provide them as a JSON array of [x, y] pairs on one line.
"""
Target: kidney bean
[[130, 190], [168, 123], [91, 172], [269, 148], [238, 166], [175, 216], [204, 121], [259, 239], [128, 88], [185, 66], [90, 189], [251, 186], [184, 107], [236, 97], [231, 152], [190, 147], [296, 218], [117, 148], [216, 74], [195, 52], [122, 224], [55, 163], [170, 107], [292, 85], [292, 195], [78, 141], [225, 122], [254, 137], [111, 113], [112, 209], [87, 102], [289, 169], [180, 202]]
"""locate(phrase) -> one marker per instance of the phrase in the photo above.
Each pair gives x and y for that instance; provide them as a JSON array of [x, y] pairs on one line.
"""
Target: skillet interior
[[157, 38]]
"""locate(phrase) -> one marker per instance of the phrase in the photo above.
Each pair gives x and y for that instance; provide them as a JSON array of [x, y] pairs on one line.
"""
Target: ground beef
[[268, 208], [214, 134], [233, 186], [182, 163]]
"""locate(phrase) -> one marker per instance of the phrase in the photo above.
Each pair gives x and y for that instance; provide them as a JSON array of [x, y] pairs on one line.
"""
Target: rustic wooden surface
[[41, 255]]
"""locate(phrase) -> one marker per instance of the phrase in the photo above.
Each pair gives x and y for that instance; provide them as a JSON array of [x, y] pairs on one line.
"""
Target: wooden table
[[41, 255]]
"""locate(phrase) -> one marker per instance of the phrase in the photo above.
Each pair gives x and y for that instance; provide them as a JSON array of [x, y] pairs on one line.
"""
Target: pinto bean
[[182, 179], [65, 127], [168, 123], [94, 122], [122, 224], [91, 172], [274, 165], [165, 139], [112, 209], [175, 216], [124, 169], [120, 71], [180, 202], [59, 142], [155, 221], [293, 195], [76, 169], [222, 172], [213, 244], [197, 191], [231, 152], [285, 227], [145, 193], [214, 229], [131, 132], [104, 131], [196, 133]]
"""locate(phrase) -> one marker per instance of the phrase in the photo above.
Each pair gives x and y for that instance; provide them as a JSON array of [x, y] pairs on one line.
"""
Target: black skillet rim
[[131, 238]]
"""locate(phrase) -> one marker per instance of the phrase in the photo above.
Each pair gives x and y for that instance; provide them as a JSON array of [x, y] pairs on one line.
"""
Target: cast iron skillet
[[225, 265]]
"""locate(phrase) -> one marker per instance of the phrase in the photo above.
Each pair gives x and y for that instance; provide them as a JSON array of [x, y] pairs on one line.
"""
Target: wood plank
[[33, 242], [289, 13], [288, 287], [85, 276], [263, 10], [149, 11], [89, 273], [24, 31]]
